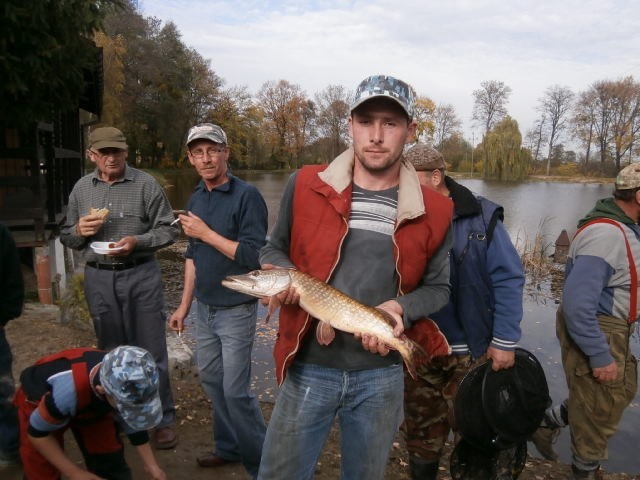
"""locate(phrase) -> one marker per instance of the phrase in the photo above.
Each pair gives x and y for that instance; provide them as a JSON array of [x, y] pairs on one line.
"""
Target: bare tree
[[332, 120], [490, 103], [447, 123], [602, 94], [555, 105], [536, 137]]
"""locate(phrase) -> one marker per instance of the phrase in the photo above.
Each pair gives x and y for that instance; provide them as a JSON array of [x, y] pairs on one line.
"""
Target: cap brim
[[379, 95], [107, 144], [211, 137], [142, 417]]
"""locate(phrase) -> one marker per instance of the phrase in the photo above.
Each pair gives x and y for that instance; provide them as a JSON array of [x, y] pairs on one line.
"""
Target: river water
[[531, 208]]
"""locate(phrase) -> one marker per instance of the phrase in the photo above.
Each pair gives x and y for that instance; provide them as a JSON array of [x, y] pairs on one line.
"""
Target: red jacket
[[320, 223]]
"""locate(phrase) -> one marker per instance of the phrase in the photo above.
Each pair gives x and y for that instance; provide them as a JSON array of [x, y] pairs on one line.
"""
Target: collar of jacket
[[465, 202], [606, 208], [339, 175]]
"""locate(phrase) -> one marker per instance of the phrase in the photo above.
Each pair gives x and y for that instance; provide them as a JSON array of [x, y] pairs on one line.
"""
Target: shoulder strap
[[633, 301], [492, 225]]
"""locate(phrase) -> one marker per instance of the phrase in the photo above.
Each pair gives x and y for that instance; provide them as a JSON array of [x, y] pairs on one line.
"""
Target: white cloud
[[445, 49]]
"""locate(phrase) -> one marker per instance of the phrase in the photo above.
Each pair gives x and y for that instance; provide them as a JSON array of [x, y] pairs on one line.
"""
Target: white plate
[[103, 248]]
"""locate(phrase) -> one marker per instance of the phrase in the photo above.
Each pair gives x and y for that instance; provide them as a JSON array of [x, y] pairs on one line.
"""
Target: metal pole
[[472, 146]]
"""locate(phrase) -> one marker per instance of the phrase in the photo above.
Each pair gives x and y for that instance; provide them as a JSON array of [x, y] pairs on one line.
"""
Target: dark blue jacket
[[487, 278], [237, 211]]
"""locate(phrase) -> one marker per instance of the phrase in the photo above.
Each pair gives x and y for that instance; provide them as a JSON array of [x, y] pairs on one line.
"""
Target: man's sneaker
[[577, 474], [543, 439], [8, 459]]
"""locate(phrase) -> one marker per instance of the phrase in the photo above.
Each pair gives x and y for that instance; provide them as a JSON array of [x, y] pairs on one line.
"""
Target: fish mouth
[[230, 281], [242, 286]]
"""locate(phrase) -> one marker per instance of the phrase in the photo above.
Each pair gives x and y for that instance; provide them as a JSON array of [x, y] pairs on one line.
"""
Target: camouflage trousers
[[428, 404], [594, 408]]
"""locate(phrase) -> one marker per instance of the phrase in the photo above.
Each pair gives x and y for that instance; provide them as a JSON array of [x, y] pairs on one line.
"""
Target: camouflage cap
[[385, 86], [628, 177], [107, 137], [424, 158], [130, 376], [207, 131]]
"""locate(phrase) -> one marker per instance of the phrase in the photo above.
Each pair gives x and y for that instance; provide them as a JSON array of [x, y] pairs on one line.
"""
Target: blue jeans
[[369, 406], [9, 440], [224, 339]]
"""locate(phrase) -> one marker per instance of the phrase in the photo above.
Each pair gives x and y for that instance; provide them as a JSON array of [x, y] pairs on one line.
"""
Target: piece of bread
[[101, 212]]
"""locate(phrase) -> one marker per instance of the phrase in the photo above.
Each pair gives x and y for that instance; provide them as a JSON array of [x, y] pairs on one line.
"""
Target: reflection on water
[[530, 208], [544, 207]]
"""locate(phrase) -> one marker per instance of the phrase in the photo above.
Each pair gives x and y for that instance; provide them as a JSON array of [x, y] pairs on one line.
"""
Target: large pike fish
[[330, 306]]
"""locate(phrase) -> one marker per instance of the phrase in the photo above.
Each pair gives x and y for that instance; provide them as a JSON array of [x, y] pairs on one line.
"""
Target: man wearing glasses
[[226, 222], [129, 211]]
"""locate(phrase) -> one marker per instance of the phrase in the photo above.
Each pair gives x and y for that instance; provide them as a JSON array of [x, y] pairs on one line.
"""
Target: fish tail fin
[[414, 356]]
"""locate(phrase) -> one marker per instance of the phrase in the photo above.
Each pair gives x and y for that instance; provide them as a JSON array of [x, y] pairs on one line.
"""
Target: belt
[[120, 265]]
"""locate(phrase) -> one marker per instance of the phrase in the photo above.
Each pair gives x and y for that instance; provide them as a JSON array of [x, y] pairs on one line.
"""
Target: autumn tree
[[504, 157], [332, 108], [456, 152], [423, 114], [113, 52], [241, 120], [608, 114], [601, 95], [280, 102], [625, 119], [555, 105], [583, 121], [166, 88], [304, 116], [490, 103], [446, 123]]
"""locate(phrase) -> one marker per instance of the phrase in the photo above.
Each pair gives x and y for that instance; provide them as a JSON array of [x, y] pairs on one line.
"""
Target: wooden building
[[39, 166]]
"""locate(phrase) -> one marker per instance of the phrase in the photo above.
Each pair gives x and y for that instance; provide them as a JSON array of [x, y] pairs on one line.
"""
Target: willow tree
[[504, 157]]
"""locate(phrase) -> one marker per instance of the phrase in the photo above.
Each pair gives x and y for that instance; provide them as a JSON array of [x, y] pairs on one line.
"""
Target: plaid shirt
[[138, 206]]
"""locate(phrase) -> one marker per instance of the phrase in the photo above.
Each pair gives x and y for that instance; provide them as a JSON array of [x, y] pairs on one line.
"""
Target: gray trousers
[[127, 308]]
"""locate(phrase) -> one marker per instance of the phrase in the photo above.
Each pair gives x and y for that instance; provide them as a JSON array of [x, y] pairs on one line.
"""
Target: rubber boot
[[422, 469], [578, 474]]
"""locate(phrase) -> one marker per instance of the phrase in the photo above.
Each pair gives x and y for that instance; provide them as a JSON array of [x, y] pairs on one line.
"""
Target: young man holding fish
[[366, 226]]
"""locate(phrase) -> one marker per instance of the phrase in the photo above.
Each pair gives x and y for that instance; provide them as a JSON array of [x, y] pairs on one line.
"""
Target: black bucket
[[499, 410], [470, 463]]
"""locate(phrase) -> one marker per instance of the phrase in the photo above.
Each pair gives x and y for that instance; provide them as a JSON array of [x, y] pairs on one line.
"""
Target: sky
[[445, 48]]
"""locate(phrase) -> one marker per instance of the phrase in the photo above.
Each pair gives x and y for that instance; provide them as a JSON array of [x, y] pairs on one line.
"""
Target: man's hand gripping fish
[[330, 306]]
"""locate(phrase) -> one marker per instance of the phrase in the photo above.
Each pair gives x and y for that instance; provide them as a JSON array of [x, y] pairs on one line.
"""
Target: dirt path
[[39, 331]]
